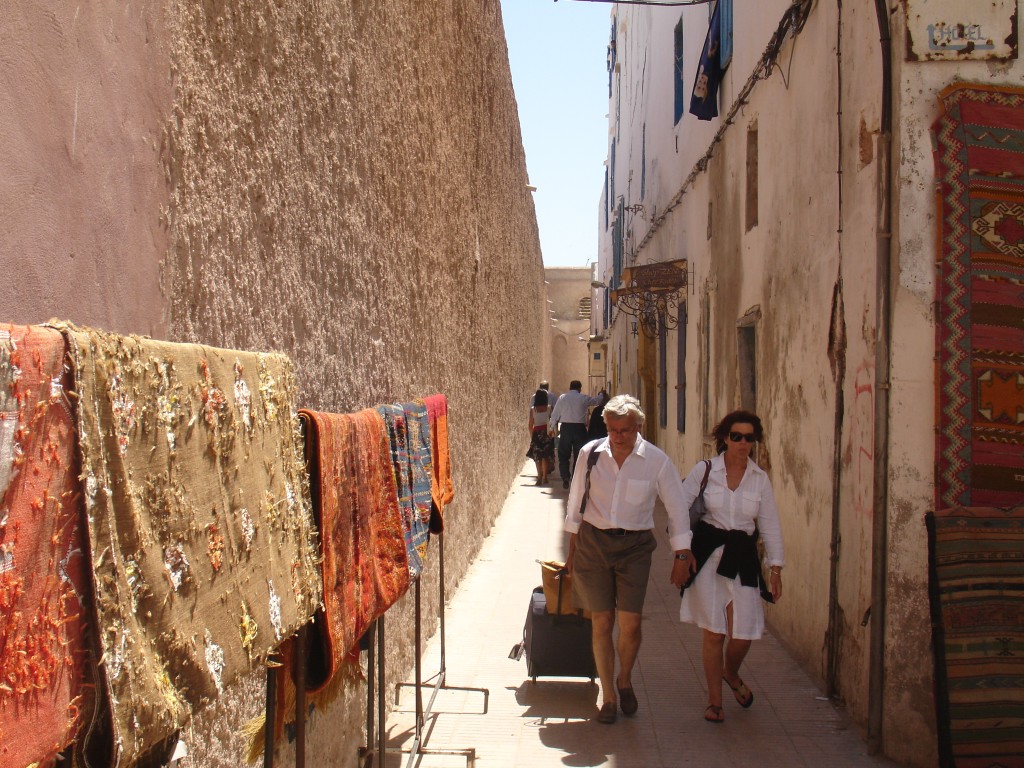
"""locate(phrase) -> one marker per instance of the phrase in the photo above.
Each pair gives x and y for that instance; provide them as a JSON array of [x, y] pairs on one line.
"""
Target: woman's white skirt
[[705, 600]]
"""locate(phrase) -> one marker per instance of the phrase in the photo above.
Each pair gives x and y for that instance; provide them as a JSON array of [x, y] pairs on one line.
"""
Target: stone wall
[[343, 182]]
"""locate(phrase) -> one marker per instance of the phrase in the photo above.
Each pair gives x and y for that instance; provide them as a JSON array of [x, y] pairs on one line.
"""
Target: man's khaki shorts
[[610, 572]]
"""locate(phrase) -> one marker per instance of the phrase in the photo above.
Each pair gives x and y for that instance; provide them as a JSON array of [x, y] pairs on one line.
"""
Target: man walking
[[610, 515], [571, 413]]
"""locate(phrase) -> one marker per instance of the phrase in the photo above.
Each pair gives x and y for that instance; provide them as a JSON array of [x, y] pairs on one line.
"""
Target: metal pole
[[268, 725], [299, 675]]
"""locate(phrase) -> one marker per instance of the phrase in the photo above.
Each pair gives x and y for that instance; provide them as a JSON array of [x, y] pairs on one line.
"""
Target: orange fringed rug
[[364, 560], [441, 489], [42, 561], [364, 566]]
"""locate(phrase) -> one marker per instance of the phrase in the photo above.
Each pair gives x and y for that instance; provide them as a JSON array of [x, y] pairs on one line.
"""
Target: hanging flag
[[704, 100]]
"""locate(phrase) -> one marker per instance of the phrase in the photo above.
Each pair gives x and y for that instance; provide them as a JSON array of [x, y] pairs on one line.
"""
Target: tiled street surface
[[548, 723]]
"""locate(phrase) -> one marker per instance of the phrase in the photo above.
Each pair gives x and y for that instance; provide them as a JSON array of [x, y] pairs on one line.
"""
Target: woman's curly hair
[[721, 432]]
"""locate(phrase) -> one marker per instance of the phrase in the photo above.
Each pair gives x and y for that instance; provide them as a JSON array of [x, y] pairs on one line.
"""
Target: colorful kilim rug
[[408, 434], [365, 564], [976, 586], [441, 489], [43, 650], [204, 550], [980, 312]]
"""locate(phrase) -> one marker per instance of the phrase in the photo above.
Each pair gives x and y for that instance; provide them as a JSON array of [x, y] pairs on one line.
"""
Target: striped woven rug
[[976, 590]]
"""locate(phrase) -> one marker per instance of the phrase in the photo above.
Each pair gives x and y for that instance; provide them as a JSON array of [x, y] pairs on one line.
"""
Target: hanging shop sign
[[949, 30], [650, 293]]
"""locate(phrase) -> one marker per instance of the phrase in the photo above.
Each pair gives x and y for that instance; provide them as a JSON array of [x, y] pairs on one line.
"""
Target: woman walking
[[542, 445], [724, 598]]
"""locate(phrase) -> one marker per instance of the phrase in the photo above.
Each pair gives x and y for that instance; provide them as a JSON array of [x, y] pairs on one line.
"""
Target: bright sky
[[558, 55]]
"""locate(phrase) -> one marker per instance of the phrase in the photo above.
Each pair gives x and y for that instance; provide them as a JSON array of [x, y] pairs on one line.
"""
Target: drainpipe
[[883, 323]]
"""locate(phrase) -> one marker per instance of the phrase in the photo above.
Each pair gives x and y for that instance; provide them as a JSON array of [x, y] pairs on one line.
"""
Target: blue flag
[[704, 99]]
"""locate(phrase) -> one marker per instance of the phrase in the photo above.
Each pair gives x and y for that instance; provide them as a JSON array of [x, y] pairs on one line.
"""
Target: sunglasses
[[738, 437]]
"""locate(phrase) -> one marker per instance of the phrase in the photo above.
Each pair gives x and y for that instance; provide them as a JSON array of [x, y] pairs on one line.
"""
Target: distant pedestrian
[[610, 514], [724, 599], [552, 395], [569, 420], [596, 428], [542, 446]]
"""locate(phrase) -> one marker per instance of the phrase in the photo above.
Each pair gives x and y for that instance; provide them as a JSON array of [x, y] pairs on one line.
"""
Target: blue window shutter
[[725, 32], [677, 76], [643, 162]]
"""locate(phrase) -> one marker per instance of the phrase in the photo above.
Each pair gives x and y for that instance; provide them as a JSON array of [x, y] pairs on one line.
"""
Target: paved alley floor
[[549, 722]]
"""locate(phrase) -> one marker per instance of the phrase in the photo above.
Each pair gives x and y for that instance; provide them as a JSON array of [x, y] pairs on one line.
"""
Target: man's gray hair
[[624, 405]]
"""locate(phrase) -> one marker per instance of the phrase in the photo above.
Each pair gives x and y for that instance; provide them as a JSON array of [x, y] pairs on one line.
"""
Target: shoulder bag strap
[[707, 471], [591, 461]]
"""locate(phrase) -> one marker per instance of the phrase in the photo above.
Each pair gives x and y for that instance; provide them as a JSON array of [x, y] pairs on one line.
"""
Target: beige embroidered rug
[[204, 550]]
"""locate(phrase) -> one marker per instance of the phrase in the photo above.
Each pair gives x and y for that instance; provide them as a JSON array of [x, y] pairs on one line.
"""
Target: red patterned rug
[[979, 158]]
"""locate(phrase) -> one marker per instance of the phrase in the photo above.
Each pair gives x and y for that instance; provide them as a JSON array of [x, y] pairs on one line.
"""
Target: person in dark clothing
[[596, 428]]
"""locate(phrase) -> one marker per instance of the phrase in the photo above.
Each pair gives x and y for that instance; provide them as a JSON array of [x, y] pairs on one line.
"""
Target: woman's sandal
[[713, 714], [744, 696]]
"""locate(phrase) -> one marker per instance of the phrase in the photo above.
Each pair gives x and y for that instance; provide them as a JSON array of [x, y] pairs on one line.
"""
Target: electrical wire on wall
[[790, 25], [663, 3]]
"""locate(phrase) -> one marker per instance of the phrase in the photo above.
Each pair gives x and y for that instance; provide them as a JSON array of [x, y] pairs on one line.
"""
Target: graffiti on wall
[[862, 439]]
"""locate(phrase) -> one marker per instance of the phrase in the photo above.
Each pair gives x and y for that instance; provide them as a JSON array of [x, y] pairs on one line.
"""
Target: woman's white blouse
[[750, 506]]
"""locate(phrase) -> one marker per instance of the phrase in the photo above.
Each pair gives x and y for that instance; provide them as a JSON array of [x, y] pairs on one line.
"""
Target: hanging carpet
[[44, 697], [979, 154], [365, 564], [976, 589], [408, 430], [441, 489], [204, 552]]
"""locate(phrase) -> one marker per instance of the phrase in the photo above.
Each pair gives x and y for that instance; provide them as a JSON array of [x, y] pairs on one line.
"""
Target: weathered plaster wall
[[911, 456], [84, 94], [342, 182]]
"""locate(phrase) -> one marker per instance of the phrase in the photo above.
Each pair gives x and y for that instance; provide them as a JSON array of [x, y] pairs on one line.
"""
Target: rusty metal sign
[[656, 278], [951, 30]]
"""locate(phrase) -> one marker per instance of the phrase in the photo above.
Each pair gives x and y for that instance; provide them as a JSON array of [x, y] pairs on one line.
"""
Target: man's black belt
[[615, 531]]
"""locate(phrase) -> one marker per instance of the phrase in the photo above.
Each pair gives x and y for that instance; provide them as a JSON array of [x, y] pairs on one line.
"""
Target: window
[[611, 58], [662, 373], [583, 309], [617, 243], [643, 161], [681, 370], [751, 208], [746, 330], [705, 405], [680, 88]]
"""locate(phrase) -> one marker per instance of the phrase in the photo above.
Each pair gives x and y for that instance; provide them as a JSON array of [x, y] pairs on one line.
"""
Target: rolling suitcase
[[557, 645]]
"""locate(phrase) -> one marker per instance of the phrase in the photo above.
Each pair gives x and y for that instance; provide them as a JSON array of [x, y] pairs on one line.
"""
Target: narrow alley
[[549, 722]]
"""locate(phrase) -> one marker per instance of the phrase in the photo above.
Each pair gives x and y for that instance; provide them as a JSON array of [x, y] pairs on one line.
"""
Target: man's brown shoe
[[609, 713], [628, 702]]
